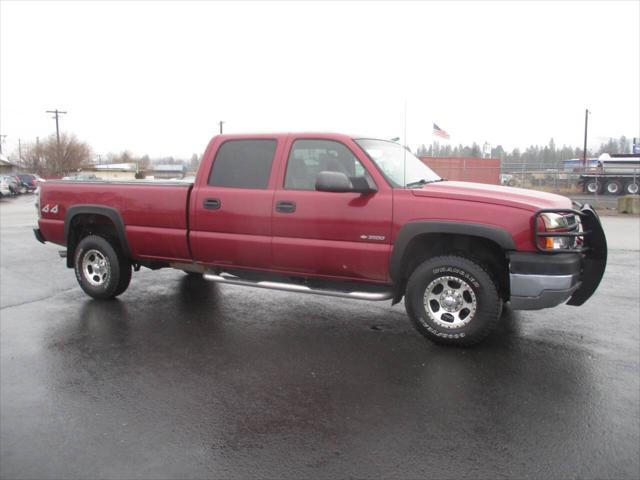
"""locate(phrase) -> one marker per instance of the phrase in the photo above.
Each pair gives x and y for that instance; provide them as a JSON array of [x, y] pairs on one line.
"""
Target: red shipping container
[[467, 169]]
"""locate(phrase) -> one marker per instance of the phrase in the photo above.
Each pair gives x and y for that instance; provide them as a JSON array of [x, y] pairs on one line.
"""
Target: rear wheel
[[613, 187], [453, 300], [632, 187], [101, 268]]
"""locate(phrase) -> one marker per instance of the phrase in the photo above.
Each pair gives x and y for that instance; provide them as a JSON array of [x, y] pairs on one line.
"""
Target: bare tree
[[67, 157], [33, 158]]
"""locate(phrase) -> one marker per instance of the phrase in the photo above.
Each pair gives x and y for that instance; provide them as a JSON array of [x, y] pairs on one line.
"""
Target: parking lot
[[185, 379]]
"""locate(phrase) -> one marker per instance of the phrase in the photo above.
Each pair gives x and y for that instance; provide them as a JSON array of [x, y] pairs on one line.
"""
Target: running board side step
[[292, 287]]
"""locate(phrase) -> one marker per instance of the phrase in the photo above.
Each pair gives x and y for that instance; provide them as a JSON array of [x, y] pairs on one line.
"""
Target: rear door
[[339, 235], [231, 211]]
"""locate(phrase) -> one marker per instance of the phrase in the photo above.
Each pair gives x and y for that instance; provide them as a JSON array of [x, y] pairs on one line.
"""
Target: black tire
[[613, 187], [632, 187], [193, 274], [102, 282], [452, 270], [593, 186]]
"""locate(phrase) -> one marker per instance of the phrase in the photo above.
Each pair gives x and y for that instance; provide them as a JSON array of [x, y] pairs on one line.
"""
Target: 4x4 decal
[[50, 208]]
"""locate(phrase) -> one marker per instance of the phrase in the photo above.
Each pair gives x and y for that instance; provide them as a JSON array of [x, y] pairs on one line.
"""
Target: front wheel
[[102, 270], [453, 300]]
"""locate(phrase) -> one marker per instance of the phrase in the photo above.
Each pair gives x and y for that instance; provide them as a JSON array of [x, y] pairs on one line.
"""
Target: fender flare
[[411, 230], [111, 213]]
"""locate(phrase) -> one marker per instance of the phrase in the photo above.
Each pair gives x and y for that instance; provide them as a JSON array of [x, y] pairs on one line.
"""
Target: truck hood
[[480, 192]]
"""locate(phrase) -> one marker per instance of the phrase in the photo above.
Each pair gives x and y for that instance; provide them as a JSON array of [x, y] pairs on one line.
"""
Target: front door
[[329, 234]]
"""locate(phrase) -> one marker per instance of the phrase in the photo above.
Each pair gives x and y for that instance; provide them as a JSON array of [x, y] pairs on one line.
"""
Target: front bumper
[[543, 280], [534, 291]]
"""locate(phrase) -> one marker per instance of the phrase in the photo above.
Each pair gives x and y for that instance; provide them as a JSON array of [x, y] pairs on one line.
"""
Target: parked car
[[507, 179], [335, 215], [5, 187], [22, 187], [29, 180], [12, 184]]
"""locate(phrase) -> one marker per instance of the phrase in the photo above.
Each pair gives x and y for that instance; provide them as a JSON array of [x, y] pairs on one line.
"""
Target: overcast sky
[[155, 77]]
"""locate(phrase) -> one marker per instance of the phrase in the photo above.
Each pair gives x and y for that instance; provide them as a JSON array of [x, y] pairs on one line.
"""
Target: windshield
[[398, 165]]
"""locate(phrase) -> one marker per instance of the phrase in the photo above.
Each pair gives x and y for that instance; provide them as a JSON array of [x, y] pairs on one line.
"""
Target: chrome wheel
[[95, 268], [450, 302], [632, 188]]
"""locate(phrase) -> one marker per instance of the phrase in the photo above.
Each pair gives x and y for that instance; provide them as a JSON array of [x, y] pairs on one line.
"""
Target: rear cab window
[[243, 164]]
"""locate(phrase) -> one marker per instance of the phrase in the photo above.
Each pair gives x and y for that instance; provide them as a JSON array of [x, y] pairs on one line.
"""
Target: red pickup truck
[[334, 215]]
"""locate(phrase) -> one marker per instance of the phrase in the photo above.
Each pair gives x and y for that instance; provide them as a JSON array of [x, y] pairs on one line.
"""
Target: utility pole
[[220, 123], [2, 137], [584, 150], [20, 151], [56, 114]]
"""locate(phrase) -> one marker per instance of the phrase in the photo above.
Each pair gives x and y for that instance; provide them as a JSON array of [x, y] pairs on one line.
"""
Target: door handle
[[285, 206], [211, 203]]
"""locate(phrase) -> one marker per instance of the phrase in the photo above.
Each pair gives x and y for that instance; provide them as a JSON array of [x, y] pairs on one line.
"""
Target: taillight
[[37, 202]]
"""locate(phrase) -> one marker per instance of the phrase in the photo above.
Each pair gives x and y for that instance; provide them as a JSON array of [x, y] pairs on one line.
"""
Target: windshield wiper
[[422, 181]]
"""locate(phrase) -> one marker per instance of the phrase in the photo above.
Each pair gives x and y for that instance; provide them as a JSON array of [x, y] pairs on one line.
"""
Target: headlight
[[554, 221]]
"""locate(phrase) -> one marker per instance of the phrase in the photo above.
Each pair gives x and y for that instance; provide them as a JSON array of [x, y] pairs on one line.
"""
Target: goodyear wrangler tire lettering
[[453, 300], [457, 271]]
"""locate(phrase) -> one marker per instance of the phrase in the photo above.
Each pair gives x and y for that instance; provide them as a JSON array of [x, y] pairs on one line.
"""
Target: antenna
[[404, 153]]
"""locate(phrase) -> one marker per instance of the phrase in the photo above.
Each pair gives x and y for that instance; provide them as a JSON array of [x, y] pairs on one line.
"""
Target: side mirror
[[338, 182], [333, 182]]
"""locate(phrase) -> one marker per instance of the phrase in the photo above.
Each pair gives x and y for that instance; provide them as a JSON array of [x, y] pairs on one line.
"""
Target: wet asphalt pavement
[[185, 379]]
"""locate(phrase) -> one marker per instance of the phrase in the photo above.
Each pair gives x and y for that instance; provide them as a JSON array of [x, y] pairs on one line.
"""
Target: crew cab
[[335, 215]]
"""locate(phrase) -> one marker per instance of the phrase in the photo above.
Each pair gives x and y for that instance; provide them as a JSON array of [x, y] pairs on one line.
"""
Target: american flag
[[439, 132]]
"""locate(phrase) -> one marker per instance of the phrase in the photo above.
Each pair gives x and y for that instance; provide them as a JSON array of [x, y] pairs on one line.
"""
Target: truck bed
[[154, 213]]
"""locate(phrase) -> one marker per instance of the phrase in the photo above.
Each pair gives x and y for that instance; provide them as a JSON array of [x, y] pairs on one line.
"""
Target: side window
[[243, 164], [310, 157]]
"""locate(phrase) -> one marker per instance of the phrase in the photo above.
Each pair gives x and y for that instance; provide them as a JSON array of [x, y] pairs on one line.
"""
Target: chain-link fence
[[546, 179], [583, 184]]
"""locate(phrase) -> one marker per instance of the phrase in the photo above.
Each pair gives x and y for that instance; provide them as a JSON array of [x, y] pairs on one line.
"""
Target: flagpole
[[433, 141]]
